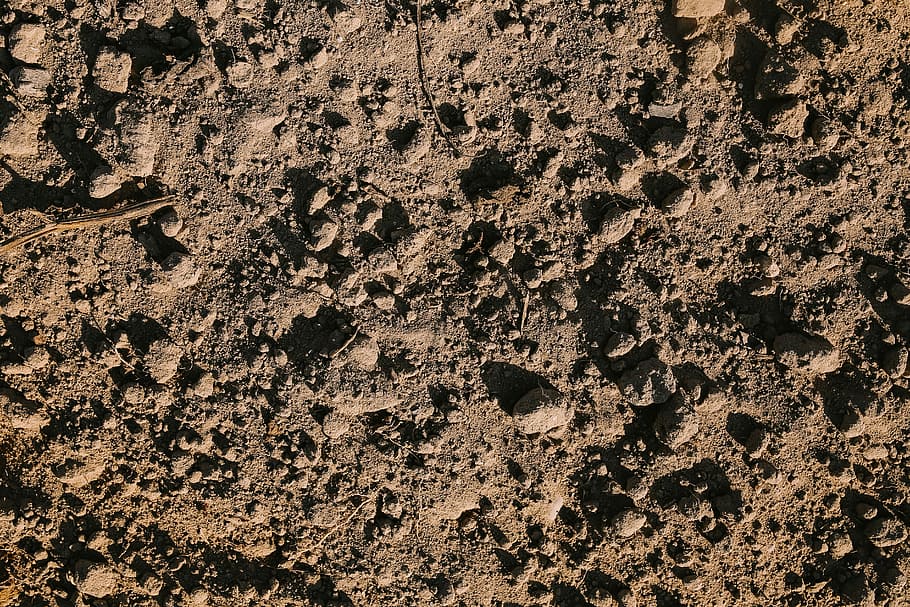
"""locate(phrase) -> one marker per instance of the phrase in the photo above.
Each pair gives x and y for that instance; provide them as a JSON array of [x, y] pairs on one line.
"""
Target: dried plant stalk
[[130, 211]]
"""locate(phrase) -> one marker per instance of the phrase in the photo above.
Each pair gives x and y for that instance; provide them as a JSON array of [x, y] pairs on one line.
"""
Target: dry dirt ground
[[628, 327]]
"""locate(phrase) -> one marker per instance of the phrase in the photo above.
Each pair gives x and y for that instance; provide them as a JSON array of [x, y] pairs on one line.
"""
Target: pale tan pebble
[[170, 224], [323, 233], [703, 56], [23, 414], [811, 354], [619, 345], [215, 8], [541, 410], [628, 522], [697, 8], [364, 352], [204, 386], [180, 270], [617, 223], [789, 119], [97, 580], [26, 42], [319, 199], [678, 202], [785, 28], [162, 360], [104, 182]]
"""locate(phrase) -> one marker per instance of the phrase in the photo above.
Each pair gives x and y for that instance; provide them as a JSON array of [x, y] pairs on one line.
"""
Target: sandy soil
[[628, 326]]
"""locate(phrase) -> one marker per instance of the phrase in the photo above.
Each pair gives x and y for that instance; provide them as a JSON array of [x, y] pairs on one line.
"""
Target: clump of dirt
[[627, 326]]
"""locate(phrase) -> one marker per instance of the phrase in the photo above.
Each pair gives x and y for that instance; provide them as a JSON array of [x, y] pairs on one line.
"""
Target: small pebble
[[619, 345], [628, 522], [26, 42], [541, 410], [170, 223], [678, 202], [104, 182], [651, 382]]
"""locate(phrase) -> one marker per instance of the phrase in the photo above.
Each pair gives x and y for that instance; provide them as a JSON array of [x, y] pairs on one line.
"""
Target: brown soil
[[639, 335]]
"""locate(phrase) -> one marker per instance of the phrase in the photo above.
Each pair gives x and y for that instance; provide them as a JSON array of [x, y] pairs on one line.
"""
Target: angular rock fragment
[[323, 233], [651, 382], [31, 81], [788, 118], [138, 145], [670, 144], [676, 422], [104, 182], [19, 136], [162, 360], [97, 580], [678, 202], [180, 270], [617, 223], [619, 345], [885, 531], [364, 352], [22, 413]]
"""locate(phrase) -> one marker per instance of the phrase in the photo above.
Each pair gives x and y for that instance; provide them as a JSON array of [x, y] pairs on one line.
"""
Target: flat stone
[[31, 81], [619, 345], [628, 522], [810, 354], [112, 70], [22, 414], [788, 118], [104, 182], [702, 56], [26, 42], [541, 410], [323, 234], [180, 270], [162, 360], [96, 580], [617, 223], [678, 202], [697, 8], [138, 146], [19, 136], [676, 422]]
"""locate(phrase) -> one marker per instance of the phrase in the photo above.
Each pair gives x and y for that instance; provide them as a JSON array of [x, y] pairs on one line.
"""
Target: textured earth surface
[[620, 318]]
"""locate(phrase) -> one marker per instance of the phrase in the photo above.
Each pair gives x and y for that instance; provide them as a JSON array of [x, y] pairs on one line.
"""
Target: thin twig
[[367, 499], [524, 313], [107, 340], [131, 211], [345, 345], [425, 86]]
